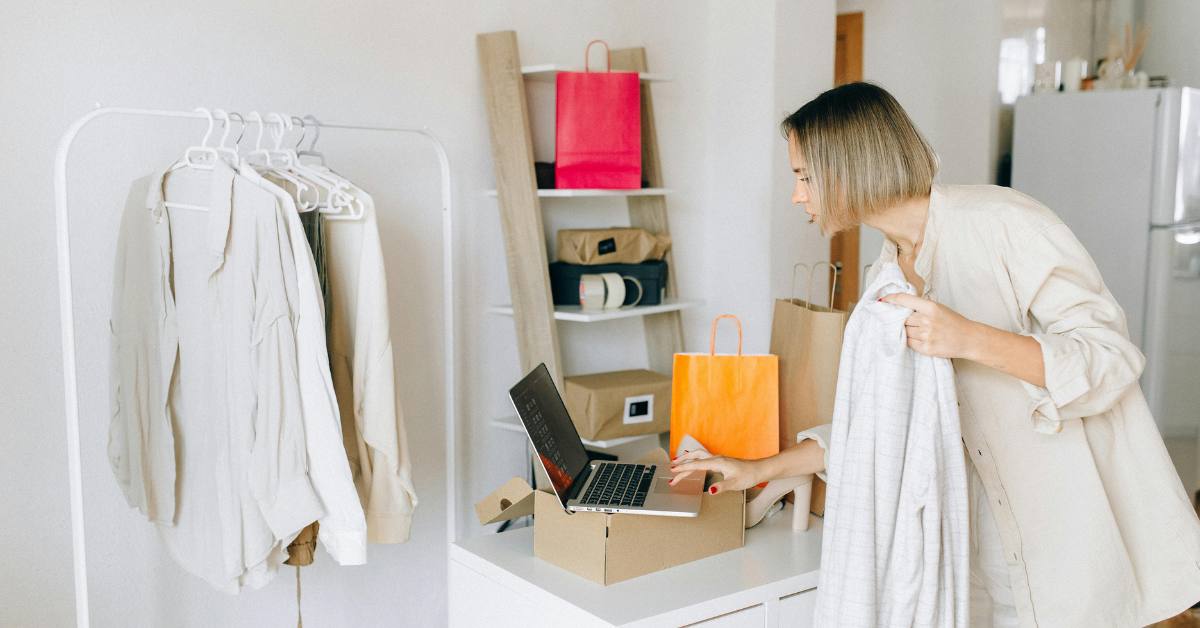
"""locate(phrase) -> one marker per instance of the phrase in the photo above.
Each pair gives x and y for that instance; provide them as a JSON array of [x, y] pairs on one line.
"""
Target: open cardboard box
[[607, 548]]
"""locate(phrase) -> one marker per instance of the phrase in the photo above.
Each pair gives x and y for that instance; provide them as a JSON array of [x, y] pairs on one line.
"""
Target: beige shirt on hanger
[[207, 306], [360, 352], [1096, 526]]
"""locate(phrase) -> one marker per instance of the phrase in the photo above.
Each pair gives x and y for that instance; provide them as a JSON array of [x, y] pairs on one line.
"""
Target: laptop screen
[[554, 436]]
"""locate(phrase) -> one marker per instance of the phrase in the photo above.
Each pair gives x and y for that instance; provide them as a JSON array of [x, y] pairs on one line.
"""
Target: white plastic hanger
[[265, 155], [338, 202], [229, 154], [341, 203], [344, 204], [320, 180], [312, 146], [201, 157]]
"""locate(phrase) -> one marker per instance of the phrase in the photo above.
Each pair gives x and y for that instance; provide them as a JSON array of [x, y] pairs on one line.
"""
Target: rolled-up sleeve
[[1089, 360], [823, 434]]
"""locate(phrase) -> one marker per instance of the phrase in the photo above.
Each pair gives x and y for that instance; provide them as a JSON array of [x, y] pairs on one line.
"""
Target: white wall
[[736, 72], [804, 45], [940, 60], [1173, 48]]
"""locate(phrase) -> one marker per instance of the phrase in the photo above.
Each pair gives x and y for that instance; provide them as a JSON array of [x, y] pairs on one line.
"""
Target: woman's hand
[[738, 474], [936, 330]]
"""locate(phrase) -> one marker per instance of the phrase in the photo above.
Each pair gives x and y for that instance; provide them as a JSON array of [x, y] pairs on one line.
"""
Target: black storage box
[[564, 280]]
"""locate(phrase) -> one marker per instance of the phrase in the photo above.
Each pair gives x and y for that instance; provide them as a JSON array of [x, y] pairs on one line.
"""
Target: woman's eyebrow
[[799, 170]]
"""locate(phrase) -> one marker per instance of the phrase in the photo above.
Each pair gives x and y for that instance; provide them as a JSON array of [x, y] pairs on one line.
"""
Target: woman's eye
[[804, 179]]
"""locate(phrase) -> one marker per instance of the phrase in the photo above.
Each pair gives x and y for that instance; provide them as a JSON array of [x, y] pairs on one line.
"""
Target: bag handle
[[796, 267], [607, 54], [811, 269], [832, 284], [712, 339]]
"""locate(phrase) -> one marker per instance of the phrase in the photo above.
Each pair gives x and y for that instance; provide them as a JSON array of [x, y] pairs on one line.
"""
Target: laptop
[[597, 486]]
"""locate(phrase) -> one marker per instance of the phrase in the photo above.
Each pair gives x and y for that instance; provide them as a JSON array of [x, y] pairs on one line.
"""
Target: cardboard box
[[608, 548], [618, 403]]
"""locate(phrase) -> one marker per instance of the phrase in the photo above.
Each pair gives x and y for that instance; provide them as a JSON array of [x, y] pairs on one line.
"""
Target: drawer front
[[797, 608], [752, 617]]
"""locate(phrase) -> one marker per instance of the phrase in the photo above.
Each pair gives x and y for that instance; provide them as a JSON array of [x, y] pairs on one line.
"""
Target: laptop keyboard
[[619, 485]]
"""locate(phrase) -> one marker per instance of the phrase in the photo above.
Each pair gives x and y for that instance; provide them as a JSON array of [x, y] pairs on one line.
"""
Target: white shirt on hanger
[[241, 488], [343, 531], [895, 545]]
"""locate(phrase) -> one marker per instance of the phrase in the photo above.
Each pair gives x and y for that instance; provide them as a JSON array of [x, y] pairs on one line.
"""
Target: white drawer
[[753, 617], [797, 609]]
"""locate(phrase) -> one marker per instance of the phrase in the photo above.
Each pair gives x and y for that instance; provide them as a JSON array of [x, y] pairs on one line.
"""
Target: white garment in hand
[[894, 550]]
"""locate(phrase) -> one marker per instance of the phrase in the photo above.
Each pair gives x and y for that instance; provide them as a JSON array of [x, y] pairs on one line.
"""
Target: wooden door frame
[[844, 246]]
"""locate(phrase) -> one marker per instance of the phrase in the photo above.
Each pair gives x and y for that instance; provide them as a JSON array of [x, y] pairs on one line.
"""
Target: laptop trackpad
[[686, 486]]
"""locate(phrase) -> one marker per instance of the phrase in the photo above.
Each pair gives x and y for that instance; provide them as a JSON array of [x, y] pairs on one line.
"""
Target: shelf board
[[513, 424], [560, 193], [547, 72], [576, 313]]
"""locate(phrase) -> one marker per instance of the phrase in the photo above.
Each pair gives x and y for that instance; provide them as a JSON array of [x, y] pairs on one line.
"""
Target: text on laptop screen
[[550, 429]]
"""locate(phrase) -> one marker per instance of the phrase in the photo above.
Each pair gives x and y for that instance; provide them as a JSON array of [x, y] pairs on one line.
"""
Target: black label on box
[[606, 246]]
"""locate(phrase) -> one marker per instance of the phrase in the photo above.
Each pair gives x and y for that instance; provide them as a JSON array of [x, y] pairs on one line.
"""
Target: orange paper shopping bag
[[730, 403]]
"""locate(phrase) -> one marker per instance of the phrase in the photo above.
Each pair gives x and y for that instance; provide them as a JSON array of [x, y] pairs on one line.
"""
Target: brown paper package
[[615, 245]]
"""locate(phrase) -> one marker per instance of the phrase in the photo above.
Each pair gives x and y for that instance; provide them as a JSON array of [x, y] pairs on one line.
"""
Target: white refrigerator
[[1122, 169]]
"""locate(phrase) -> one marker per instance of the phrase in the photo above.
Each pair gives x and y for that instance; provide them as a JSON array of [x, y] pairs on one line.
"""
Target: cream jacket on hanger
[[209, 315], [364, 376], [1096, 526]]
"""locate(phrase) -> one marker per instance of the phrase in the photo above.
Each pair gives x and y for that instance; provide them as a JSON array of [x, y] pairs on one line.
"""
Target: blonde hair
[[863, 152]]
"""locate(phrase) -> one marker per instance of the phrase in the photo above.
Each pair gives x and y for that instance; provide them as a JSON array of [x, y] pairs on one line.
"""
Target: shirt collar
[[219, 203], [923, 265]]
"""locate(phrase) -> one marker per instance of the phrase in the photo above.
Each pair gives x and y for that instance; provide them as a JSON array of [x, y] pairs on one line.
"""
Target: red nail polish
[[712, 489]]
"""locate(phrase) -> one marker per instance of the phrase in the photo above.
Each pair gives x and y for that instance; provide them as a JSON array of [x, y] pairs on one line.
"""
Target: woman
[[1078, 517]]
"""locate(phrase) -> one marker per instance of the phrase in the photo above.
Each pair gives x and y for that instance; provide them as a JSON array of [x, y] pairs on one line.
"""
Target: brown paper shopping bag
[[808, 340], [730, 403]]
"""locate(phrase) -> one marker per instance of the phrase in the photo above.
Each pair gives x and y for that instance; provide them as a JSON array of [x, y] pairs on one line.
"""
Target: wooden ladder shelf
[[532, 309]]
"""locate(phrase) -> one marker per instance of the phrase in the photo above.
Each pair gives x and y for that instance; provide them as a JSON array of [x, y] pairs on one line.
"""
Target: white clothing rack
[[67, 320]]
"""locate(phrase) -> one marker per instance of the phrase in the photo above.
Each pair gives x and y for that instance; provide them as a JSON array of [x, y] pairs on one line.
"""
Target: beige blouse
[[1095, 523]]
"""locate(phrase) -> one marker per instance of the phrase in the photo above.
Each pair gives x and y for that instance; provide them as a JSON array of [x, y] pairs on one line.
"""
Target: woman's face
[[801, 192]]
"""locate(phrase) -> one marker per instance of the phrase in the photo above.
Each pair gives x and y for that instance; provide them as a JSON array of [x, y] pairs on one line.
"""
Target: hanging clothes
[[360, 349], [302, 550], [343, 527], [143, 345], [895, 546], [218, 325]]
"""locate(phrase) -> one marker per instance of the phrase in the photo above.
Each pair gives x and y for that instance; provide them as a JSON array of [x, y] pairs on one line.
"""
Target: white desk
[[496, 581]]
